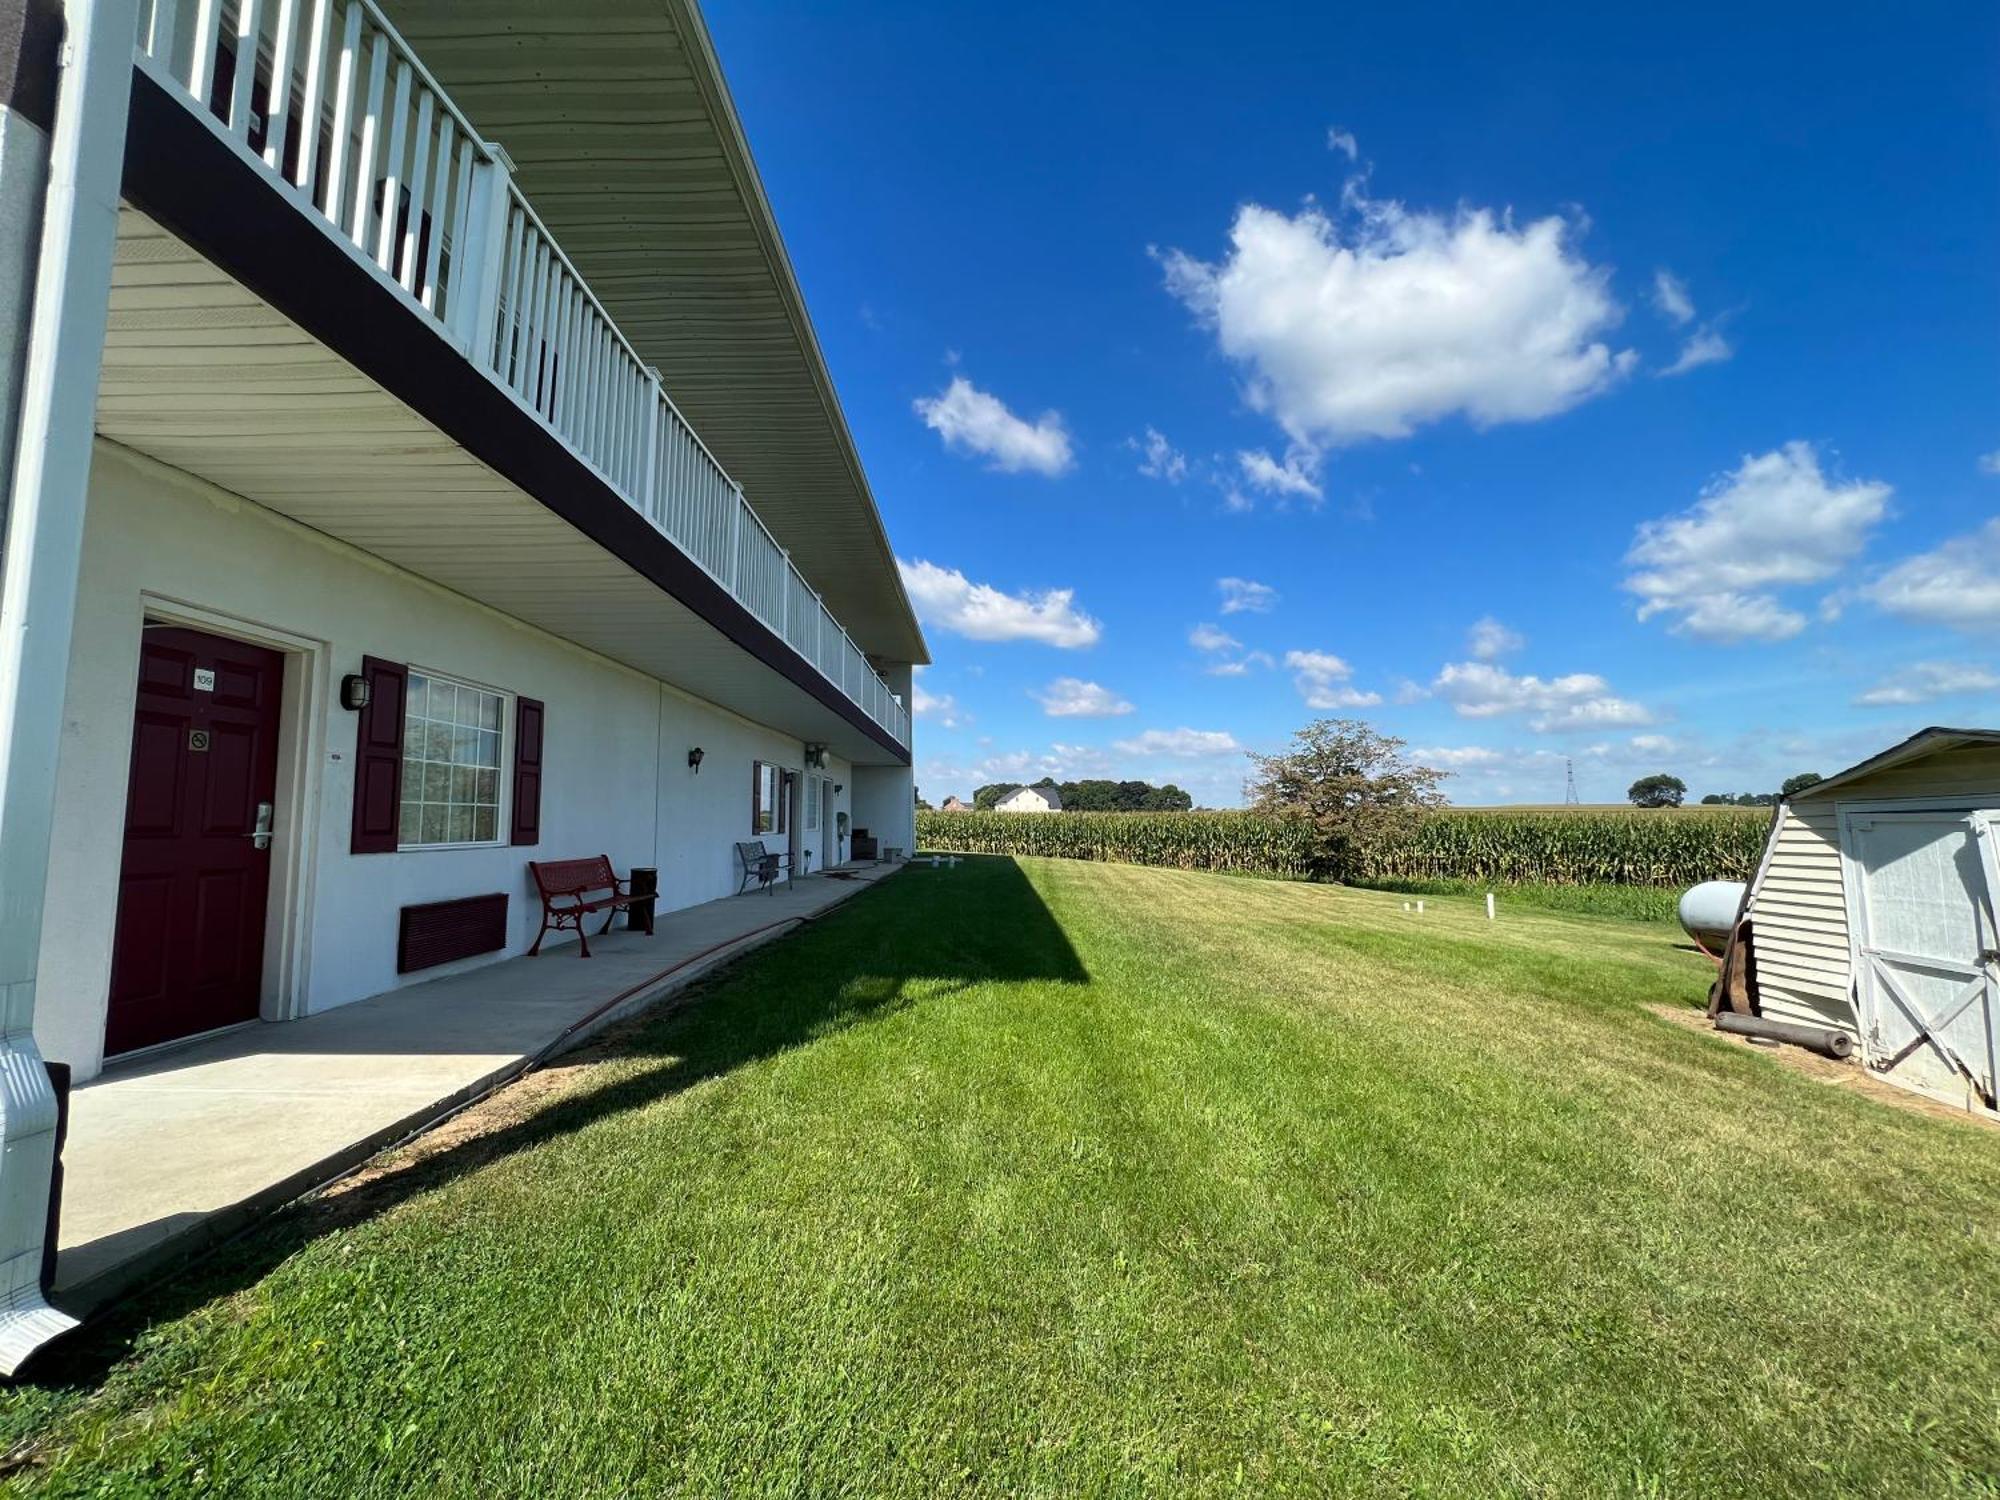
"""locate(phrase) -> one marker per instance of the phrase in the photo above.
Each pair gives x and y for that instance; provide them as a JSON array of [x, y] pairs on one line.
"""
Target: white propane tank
[[1709, 910]]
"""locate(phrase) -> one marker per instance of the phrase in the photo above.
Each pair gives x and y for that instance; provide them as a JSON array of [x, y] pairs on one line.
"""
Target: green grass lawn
[[1066, 1179]]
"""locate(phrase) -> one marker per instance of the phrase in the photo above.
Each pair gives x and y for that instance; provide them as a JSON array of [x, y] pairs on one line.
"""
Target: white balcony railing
[[340, 114]]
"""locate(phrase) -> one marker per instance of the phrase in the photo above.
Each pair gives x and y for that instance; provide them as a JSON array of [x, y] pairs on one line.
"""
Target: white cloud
[[1160, 458], [1344, 142], [1186, 744], [1240, 666], [946, 598], [1489, 640], [1403, 318], [1655, 744], [967, 417], [1323, 681], [1073, 698], [1214, 642], [1706, 346], [1926, 680], [1989, 463], [1773, 522], [1209, 638], [1291, 479], [1957, 583], [1580, 700], [1246, 596], [1670, 296], [940, 708], [1455, 758]]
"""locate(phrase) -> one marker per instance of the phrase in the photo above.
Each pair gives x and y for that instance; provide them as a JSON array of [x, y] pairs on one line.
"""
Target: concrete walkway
[[169, 1154]]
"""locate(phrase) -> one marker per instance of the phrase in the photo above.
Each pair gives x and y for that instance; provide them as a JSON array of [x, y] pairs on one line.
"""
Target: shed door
[[1929, 957]]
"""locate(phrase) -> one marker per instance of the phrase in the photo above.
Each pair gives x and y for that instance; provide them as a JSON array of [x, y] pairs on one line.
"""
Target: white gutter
[[38, 590]]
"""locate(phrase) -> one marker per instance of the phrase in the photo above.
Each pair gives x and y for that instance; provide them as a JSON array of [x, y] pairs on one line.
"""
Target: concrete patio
[[169, 1154]]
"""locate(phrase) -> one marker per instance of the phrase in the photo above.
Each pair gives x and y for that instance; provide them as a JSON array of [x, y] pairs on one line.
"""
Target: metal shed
[[1874, 910]]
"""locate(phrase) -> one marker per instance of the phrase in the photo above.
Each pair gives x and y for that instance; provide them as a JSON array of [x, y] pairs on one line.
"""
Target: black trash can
[[645, 886]]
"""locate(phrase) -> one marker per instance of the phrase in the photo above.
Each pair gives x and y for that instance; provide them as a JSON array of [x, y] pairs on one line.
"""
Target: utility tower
[[1570, 799]]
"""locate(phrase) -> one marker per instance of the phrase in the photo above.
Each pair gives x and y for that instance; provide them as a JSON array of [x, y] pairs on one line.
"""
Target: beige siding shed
[[1800, 905]]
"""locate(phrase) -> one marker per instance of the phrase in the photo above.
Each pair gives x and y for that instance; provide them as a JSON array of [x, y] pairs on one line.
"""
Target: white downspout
[[44, 549]]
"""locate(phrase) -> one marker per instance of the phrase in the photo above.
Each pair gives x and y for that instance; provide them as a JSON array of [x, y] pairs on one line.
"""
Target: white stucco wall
[[616, 776]]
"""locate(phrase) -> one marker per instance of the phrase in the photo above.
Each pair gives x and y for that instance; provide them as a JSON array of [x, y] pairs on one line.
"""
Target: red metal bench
[[572, 889]]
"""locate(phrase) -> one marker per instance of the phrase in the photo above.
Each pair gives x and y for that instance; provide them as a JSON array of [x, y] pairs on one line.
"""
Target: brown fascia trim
[[181, 174]]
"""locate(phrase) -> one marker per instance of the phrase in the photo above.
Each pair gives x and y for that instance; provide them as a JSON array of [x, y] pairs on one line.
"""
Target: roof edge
[[714, 88], [1923, 742]]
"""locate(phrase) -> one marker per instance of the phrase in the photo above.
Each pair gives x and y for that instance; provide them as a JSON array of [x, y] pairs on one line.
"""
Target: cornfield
[[1653, 848], [1238, 843], [1588, 847]]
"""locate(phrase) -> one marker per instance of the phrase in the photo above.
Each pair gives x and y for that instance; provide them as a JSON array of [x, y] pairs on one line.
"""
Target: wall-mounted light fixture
[[816, 757], [838, 789], [694, 759], [354, 692]]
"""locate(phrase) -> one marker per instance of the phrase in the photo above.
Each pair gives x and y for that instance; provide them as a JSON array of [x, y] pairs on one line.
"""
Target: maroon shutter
[[756, 796], [528, 717], [378, 758]]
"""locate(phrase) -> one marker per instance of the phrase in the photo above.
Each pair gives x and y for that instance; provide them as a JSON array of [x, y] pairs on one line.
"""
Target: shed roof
[[1924, 742]]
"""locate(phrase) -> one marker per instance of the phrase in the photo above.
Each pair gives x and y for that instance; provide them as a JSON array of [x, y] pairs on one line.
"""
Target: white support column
[[44, 550], [476, 304]]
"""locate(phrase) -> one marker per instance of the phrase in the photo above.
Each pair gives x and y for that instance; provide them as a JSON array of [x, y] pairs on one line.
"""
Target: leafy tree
[[1352, 784], [1718, 799], [1122, 796], [923, 806], [1795, 784], [1657, 791]]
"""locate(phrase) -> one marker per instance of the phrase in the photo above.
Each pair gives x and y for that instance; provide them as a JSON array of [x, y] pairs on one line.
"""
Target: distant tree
[[1718, 799], [984, 798], [1122, 796], [1796, 784], [1657, 791], [1353, 785], [923, 806]]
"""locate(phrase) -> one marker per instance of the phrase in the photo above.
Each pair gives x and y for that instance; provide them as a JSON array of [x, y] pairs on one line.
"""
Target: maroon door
[[189, 951]]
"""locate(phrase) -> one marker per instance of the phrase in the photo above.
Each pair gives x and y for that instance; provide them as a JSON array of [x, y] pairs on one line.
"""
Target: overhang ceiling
[[624, 138], [204, 376]]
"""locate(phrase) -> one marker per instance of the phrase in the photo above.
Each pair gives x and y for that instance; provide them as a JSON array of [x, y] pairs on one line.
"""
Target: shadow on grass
[[981, 922]]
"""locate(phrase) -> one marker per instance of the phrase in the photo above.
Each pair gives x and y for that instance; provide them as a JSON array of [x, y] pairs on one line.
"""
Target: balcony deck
[[466, 262]]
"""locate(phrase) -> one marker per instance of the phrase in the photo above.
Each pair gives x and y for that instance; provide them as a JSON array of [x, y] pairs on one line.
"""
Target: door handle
[[260, 836]]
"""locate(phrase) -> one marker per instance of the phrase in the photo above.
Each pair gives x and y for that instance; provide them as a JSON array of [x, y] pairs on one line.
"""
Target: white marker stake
[[1489, 906], [1420, 908]]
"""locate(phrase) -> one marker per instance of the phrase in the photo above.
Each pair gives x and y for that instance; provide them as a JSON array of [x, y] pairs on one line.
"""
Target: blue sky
[[1616, 387]]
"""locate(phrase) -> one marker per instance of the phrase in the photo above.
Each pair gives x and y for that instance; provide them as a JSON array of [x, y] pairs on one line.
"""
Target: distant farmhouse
[[1035, 799], [955, 804]]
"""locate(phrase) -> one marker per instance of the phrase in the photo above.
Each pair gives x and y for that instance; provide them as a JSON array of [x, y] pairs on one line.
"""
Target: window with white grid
[[452, 747]]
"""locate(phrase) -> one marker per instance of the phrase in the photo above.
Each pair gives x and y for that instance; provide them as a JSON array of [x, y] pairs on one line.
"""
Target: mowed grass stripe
[[1065, 1178]]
